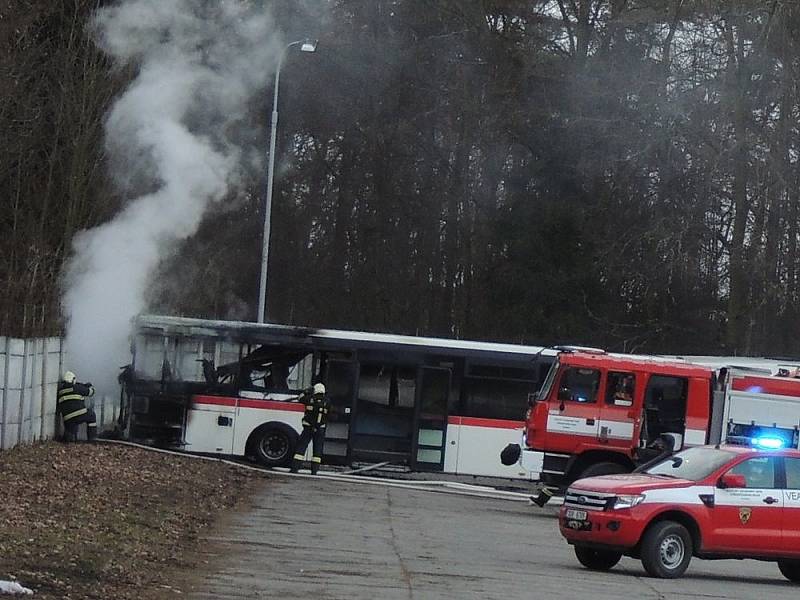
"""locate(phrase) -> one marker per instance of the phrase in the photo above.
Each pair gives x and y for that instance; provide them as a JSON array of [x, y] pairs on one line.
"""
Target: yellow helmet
[[319, 388], [69, 377]]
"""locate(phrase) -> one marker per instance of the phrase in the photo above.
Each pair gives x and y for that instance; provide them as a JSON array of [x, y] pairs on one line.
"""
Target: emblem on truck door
[[744, 514]]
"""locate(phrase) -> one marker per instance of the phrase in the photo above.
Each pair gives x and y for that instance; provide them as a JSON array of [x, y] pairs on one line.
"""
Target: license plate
[[576, 515]]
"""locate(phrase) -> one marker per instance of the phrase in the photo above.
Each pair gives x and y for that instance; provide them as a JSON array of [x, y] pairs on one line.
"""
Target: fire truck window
[[758, 472], [579, 385], [620, 388], [792, 473]]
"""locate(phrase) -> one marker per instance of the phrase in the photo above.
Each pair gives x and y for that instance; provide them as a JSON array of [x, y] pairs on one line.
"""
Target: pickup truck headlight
[[621, 502]]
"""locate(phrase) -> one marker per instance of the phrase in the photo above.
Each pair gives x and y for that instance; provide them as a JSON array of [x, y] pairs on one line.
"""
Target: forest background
[[620, 173]]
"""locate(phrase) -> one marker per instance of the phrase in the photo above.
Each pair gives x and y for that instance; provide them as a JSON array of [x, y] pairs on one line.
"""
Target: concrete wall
[[29, 374]]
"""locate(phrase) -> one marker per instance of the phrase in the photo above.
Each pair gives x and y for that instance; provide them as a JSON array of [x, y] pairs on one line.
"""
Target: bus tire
[[603, 468], [597, 560], [666, 550], [790, 569], [272, 444]]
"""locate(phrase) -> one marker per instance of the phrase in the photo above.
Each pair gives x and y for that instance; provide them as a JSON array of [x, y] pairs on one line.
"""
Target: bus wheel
[[597, 560], [272, 446], [603, 468], [790, 569]]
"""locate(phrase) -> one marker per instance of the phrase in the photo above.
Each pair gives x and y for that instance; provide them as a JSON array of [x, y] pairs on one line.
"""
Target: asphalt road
[[316, 538]]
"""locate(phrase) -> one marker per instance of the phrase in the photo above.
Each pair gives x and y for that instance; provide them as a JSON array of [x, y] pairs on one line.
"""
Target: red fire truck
[[600, 414]]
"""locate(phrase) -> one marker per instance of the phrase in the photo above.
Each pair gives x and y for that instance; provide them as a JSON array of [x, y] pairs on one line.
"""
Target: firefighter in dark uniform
[[72, 407], [315, 418]]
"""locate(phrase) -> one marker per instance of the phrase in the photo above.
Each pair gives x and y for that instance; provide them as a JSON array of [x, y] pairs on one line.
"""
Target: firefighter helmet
[[69, 377], [319, 388]]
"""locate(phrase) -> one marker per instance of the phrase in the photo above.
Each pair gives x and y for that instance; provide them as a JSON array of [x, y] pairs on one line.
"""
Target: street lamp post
[[305, 46]]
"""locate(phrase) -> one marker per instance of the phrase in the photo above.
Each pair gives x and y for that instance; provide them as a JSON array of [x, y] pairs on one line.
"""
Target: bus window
[[388, 386], [374, 385], [406, 387], [496, 398]]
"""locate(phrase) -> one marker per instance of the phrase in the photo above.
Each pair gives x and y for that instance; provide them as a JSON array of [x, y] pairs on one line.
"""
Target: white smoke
[[198, 63]]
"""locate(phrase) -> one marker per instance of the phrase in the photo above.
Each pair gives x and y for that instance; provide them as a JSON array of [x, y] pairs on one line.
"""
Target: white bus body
[[427, 403]]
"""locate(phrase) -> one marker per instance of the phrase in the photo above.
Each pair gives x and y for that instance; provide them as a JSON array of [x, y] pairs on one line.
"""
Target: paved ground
[[314, 538]]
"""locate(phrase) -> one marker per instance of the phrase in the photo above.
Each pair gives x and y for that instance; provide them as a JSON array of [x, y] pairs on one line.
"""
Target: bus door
[[341, 379], [383, 421], [430, 418]]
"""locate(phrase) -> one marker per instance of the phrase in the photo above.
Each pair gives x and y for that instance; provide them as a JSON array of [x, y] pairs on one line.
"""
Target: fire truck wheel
[[666, 550], [603, 468], [596, 560], [790, 569], [272, 446]]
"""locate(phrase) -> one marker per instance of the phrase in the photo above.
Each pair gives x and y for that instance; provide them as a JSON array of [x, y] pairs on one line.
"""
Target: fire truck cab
[[603, 414], [600, 414]]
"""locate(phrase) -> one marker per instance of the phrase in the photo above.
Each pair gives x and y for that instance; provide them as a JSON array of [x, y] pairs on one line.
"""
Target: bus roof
[[269, 333]]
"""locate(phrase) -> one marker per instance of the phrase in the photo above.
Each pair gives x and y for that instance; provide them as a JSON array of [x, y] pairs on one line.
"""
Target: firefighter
[[315, 418], [72, 407]]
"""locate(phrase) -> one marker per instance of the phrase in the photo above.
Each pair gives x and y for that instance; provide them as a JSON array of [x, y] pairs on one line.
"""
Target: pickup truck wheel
[[272, 446], [597, 560], [666, 550], [603, 468], [790, 569]]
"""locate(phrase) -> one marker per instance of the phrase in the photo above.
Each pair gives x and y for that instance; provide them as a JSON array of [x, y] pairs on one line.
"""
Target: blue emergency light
[[758, 436], [769, 443]]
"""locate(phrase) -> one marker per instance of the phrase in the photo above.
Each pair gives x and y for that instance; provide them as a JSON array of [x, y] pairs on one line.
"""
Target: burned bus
[[231, 388]]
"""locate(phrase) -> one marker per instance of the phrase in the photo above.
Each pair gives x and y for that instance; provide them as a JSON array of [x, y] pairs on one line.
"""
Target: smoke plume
[[168, 138]]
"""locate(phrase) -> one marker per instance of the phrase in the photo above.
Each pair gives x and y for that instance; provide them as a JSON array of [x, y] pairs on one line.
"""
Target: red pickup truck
[[710, 501]]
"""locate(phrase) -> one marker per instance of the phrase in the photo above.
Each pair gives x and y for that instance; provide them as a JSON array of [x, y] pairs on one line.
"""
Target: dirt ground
[[108, 521]]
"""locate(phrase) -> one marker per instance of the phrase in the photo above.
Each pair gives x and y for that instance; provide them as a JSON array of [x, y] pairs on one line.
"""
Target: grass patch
[[106, 521]]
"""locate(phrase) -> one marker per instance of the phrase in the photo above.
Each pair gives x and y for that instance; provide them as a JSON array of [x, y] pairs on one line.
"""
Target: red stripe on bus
[[215, 400], [477, 422], [249, 403], [273, 404]]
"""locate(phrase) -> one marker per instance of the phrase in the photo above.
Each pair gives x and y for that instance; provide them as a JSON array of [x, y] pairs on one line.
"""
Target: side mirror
[[732, 480]]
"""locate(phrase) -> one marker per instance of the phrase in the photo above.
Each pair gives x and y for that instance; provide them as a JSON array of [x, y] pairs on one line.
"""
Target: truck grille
[[587, 500]]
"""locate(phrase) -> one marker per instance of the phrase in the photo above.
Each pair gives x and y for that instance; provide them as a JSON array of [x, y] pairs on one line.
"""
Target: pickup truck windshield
[[693, 464]]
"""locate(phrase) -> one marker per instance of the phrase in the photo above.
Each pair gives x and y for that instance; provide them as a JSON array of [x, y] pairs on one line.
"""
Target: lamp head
[[309, 46]]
